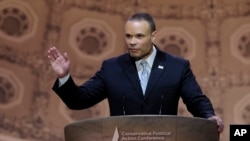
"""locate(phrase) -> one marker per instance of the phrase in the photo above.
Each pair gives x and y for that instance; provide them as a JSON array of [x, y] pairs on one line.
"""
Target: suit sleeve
[[197, 103], [84, 96]]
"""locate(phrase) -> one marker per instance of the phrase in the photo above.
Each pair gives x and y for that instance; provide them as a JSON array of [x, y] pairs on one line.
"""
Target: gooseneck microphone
[[123, 104], [162, 100]]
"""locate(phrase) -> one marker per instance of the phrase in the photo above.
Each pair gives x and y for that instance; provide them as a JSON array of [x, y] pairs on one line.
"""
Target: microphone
[[162, 100], [123, 104]]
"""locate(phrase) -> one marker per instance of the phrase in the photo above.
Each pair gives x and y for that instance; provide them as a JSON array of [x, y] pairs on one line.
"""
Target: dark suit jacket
[[118, 80]]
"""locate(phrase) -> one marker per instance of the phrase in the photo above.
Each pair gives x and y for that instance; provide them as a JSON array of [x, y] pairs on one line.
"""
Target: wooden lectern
[[142, 128]]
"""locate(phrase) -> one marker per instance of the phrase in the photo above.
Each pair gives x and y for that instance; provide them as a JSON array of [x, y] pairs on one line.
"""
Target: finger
[[54, 53], [219, 123], [221, 127], [51, 59], [65, 55], [57, 52], [50, 55]]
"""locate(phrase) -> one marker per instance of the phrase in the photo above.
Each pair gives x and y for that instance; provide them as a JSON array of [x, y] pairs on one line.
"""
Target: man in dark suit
[[121, 79]]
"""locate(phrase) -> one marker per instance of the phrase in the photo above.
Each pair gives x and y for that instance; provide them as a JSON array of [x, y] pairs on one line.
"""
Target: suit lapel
[[157, 70], [132, 74]]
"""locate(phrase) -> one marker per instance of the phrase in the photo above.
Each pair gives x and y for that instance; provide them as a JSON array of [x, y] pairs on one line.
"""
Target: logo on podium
[[140, 135]]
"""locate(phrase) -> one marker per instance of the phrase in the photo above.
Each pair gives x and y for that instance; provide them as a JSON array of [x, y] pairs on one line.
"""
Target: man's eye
[[128, 36], [139, 36]]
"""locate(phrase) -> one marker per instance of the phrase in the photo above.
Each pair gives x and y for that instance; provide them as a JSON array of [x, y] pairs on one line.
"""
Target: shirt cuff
[[63, 80]]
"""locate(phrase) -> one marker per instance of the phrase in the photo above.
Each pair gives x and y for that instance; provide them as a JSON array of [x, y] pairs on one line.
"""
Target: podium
[[142, 128]]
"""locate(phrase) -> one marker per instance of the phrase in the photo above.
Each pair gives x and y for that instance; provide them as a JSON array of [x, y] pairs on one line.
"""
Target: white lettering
[[239, 132]]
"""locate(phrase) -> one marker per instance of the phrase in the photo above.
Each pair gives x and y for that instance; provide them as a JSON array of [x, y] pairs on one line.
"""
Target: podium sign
[[142, 128]]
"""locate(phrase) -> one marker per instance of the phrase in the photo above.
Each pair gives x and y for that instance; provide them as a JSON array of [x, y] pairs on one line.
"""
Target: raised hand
[[60, 63]]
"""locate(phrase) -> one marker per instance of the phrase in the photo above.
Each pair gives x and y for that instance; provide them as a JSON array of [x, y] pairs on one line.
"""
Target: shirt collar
[[149, 60]]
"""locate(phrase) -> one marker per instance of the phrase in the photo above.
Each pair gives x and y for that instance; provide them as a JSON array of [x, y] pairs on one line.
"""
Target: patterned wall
[[213, 34]]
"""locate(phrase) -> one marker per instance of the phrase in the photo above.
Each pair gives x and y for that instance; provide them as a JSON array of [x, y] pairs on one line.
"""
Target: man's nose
[[132, 41]]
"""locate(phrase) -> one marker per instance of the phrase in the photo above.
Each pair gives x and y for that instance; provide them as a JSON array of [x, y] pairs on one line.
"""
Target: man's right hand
[[60, 63]]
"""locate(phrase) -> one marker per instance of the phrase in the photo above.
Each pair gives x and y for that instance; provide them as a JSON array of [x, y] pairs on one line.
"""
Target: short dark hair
[[143, 16]]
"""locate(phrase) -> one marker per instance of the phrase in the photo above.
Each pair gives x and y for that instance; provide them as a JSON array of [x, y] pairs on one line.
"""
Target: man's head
[[140, 32]]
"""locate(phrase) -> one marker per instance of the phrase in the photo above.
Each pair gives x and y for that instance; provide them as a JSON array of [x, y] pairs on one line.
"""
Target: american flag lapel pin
[[160, 67]]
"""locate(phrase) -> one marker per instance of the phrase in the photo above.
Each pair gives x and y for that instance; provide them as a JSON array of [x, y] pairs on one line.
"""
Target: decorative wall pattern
[[11, 89], [242, 113], [240, 44], [16, 23], [176, 41], [91, 38], [212, 34]]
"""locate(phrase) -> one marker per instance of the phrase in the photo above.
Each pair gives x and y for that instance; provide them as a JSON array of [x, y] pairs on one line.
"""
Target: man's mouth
[[133, 49]]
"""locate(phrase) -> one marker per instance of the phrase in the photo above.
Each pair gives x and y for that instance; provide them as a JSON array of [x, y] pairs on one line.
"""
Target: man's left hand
[[219, 123]]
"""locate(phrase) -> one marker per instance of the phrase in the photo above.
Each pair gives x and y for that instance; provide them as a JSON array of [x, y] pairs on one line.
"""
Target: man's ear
[[153, 35]]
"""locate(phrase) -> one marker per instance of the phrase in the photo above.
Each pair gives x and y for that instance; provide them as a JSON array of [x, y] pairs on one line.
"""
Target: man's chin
[[136, 56]]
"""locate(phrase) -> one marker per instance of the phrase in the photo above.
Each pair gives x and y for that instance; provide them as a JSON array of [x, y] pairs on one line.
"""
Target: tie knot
[[144, 64]]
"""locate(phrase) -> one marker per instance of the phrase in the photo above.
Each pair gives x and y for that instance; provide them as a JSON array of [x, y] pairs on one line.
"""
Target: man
[[168, 78]]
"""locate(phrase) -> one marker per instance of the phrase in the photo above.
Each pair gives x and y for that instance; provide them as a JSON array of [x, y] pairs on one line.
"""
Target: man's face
[[139, 38]]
